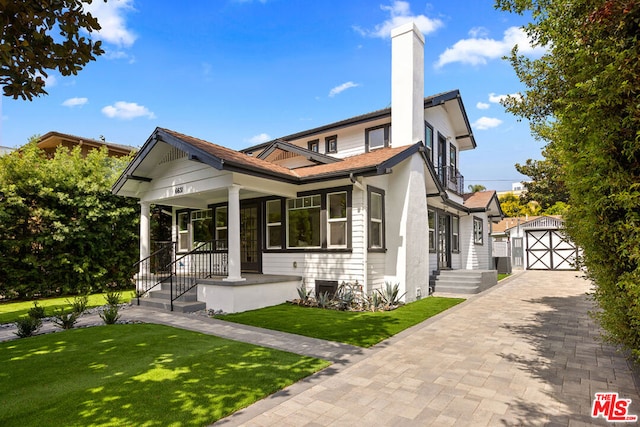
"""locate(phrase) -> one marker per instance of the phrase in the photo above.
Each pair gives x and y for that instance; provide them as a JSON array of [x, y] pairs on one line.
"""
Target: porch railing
[[451, 178], [154, 269], [207, 260], [180, 271]]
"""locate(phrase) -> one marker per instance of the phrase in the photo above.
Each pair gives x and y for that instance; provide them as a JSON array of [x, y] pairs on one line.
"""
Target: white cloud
[[75, 102], [477, 51], [484, 123], [482, 106], [400, 13], [260, 138], [476, 32], [111, 17], [497, 99], [127, 111], [344, 86]]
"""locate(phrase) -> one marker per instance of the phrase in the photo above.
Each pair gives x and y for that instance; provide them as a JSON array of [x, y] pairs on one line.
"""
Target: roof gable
[[223, 158], [299, 151]]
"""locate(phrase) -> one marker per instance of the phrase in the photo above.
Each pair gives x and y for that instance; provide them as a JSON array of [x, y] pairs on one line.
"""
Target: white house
[[374, 198]]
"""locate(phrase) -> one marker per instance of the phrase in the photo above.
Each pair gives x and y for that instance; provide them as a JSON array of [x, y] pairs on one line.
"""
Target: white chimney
[[407, 85]]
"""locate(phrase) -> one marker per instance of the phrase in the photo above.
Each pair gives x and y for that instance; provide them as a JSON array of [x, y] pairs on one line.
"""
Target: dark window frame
[[323, 222], [476, 241], [455, 234], [328, 142], [383, 247], [314, 143], [428, 141], [453, 162], [434, 230], [387, 137]]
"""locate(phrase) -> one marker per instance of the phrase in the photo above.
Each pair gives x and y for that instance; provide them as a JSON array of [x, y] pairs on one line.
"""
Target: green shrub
[[112, 298], [27, 326], [110, 314], [79, 304], [37, 311], [64, 319]]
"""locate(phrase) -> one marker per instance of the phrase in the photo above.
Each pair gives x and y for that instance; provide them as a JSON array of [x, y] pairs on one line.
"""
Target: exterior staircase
[[161, 299], [463, 281]]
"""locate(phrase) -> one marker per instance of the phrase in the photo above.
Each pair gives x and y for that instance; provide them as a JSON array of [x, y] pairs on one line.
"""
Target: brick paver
[[523, 353]]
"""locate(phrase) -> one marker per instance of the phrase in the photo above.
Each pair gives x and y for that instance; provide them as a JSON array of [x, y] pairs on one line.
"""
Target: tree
[[61, 229], [547, 180], [514, 206], [28, 47], [476, 187], [582, 99]]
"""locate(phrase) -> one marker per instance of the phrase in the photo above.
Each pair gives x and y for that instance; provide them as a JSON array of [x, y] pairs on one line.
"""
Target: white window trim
[[337, 220]]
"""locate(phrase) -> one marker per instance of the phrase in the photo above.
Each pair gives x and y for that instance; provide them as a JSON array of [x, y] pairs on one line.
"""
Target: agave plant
[[304, 294], [389, 295], [323, 300]]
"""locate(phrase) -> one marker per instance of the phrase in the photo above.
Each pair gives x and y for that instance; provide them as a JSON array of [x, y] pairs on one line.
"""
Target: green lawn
[[502, 276], [11, 311], [363, 329], [135, 375]]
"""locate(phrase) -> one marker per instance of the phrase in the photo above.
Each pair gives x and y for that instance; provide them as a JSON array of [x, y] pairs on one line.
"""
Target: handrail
[[204, 261], [153, 267], [181, 271]]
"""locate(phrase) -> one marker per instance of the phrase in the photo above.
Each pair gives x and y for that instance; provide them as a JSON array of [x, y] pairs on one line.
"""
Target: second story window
[[314, 145], [428, 140], [377, 137], [332, 144], [453, 163]]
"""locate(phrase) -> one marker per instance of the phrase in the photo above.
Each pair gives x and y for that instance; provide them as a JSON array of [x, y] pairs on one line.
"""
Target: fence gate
[[549, 250], [517, 252]]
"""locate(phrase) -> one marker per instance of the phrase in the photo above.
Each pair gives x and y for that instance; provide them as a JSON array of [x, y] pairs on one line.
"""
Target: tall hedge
[[582, 97], [61, 229]]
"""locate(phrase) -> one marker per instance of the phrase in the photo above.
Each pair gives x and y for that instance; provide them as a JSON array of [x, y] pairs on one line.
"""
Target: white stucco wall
[[407, 229]]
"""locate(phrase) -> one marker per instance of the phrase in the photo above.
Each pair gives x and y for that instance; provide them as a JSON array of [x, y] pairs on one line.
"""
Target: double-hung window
[[453, 163], [331, 144], [314, 145], [477, 230], [428, 140], [455, 234], [274, 224], [221, 234], [337, 220], [376, 218], [432, 230], [377, 137], [183, 231]]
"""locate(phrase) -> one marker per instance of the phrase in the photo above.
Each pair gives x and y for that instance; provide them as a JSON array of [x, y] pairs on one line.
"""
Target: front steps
[[161, 299], [463, 281]]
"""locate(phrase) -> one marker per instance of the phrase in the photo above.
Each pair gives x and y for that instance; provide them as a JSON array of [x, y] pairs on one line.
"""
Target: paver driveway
[[522, 353]]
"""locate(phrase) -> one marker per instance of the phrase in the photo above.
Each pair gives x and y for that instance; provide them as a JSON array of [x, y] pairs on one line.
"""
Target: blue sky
[[239, 72]]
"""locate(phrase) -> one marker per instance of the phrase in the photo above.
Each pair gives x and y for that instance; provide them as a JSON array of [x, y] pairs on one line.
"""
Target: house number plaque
[[178, 190]]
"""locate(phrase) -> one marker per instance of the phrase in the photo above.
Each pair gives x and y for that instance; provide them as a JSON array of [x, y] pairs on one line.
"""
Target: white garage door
[[549, 250]]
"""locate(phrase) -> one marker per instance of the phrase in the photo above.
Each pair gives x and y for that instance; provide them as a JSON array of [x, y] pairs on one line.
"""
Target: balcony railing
[[451, 178]]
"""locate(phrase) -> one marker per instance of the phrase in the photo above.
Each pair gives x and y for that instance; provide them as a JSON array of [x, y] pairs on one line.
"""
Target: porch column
[[144, 234], [233, 235]]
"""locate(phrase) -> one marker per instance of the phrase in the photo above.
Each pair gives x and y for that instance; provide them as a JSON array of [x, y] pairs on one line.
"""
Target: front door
[[250, 244], [444, 251]]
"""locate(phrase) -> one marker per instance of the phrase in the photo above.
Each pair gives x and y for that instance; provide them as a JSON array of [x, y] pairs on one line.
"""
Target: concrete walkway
[[522, 353]]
